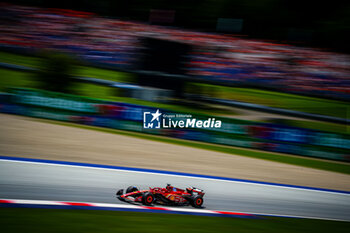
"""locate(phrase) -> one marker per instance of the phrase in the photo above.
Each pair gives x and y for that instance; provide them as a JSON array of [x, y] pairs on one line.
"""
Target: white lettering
[[199, 124], [181, 124], [206, 124], [217, 124], [190, 123], [164, 124]]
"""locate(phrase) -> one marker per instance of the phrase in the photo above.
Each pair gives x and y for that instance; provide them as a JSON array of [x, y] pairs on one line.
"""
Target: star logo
[[156, 115], [151, 120]]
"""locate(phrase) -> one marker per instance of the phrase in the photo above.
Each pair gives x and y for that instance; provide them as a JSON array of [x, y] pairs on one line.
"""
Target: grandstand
[[218, 58]]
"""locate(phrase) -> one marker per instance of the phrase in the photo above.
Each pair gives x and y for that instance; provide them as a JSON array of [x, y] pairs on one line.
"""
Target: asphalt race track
[[39, 181]]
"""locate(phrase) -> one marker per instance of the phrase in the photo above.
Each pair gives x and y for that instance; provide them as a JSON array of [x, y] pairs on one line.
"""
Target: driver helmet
[[169, 187]]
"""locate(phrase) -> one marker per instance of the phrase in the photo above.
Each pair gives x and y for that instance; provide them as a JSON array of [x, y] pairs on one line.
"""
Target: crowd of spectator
[[217, 57]]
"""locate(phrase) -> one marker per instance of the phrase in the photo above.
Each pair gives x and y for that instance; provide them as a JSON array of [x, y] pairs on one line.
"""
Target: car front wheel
[[197, 201], [147, 198]]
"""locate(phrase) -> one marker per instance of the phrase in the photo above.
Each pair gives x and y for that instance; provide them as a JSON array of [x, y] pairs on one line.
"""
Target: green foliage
[[12, 78], [56, 72], [85, 221], [20, 59]]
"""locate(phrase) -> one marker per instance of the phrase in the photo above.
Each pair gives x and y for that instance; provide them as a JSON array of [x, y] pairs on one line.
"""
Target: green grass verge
[[17, 59], [36, 62], [282, 158], [85, 221], [11, 78], [103, 74], [280, 100]]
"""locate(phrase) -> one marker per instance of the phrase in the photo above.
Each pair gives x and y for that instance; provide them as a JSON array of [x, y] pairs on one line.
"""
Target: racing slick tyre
[[131, 189], [147, 198], [197, 201]]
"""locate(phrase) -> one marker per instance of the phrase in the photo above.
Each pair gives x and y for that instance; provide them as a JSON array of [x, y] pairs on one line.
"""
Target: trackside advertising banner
[[189, 126]]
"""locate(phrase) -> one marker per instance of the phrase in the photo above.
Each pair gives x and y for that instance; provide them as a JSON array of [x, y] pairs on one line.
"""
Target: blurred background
[[275, 72]]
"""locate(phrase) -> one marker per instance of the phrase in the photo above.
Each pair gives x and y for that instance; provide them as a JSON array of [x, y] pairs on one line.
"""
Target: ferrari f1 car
[[165, 196]]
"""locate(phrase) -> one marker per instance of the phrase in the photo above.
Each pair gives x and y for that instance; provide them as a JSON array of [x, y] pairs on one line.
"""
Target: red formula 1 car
[[164, 196]]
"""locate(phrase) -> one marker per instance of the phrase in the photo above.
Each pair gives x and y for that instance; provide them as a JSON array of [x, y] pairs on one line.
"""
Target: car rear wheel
[[147, 198], [197, 201], [131, 189]]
